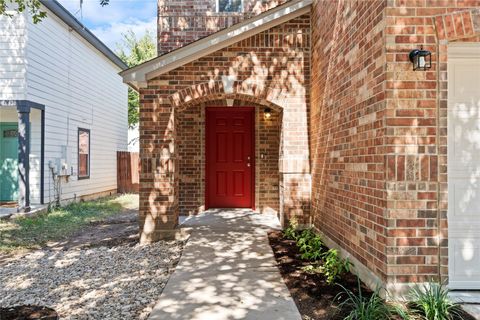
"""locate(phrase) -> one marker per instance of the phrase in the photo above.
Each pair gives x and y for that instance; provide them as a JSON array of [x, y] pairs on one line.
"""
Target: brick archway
[[177, 189], [271, 97], [191, 146], [269, 69]]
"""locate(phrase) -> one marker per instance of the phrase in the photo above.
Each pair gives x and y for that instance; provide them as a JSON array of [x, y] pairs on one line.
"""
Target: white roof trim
[[138, 76]]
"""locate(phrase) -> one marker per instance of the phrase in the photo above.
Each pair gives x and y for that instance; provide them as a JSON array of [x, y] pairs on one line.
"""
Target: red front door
[[229, 157]]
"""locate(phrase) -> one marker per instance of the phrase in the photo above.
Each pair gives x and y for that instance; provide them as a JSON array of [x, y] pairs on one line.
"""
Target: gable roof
[[138, 76], [86, 34]]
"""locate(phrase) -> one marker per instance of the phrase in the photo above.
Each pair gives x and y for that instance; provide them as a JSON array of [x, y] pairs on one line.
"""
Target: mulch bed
[[313, 296], [28, 313]]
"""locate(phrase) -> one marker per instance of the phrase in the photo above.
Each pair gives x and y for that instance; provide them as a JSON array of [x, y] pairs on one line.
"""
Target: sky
[[109, 22]]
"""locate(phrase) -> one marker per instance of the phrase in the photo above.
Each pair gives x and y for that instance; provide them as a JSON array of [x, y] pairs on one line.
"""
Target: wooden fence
[[128, 172]]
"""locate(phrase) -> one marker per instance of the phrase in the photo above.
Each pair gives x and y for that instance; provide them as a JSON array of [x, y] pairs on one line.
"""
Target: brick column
[[294, 166], [158, 216]]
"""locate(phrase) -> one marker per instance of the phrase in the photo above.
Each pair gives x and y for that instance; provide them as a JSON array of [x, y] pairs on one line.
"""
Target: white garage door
[[464, 166]]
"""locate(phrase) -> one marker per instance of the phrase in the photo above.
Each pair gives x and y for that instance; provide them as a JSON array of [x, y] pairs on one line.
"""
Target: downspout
[[309, 123]]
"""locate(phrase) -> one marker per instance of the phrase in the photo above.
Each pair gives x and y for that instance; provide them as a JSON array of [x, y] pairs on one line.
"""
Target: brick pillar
[[158, 216], [295, 178]]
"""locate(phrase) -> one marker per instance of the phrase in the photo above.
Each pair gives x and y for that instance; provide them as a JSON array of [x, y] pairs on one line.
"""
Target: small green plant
[[431, 302], [310, 245], [334, 266], [364, 307], [312, 269], [303, 238], [291, 232]]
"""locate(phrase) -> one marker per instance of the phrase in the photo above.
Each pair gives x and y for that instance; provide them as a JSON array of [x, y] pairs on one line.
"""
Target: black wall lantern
[[421, 59], [267, 113]]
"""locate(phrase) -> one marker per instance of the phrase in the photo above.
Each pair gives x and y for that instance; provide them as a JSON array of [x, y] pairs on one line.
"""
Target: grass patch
[[34, 232]]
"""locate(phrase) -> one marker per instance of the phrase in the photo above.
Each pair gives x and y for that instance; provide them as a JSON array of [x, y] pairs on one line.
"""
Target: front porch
[[22, 131], [209, 158], [190, 164]]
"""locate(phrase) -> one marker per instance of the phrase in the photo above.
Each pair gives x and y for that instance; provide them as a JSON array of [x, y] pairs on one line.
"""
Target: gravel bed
[[122, 282]]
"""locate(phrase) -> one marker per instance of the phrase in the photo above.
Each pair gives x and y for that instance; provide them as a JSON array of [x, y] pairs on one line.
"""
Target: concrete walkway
[[227, 271], [7, 212], [470, 301]]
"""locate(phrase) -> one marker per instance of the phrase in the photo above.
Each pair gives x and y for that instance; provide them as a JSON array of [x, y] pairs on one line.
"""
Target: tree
[[134, 51], [32, 6]]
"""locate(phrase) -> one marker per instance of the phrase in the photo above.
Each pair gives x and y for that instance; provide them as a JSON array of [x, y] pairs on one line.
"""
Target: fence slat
[[128, 172]]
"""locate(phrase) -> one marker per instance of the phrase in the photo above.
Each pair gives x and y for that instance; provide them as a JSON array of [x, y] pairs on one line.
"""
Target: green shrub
[[310, 245], [291, 232], [334, 266], [364, 307], [431, 302]]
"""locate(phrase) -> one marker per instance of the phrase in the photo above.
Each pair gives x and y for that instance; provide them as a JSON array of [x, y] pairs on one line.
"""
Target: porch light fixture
[[267, 113], [421, 59]]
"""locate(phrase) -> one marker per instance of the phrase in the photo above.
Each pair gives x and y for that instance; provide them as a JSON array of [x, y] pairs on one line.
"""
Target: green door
[[8, 161]]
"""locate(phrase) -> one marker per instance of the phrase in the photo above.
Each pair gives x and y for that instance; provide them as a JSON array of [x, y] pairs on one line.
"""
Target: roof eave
[[139, 75]]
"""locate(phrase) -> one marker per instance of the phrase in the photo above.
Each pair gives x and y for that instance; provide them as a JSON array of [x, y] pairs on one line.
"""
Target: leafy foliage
[[334, 266], [33, 7], [431, 302], [291, 232], [363, 307], [134, 51], [310, 245]]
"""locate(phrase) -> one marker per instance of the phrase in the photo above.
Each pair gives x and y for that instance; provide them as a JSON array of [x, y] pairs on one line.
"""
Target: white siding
[[12, 61], [80, 88]]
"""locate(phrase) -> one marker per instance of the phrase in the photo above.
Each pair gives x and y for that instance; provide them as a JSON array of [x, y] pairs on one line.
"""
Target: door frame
[[457, 52], [11, 124], [250, 109]]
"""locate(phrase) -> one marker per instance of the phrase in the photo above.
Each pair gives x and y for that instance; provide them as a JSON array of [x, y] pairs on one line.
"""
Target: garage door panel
[[465, 199], [466, 257], [464, 139], [464, 73], [464, 166]]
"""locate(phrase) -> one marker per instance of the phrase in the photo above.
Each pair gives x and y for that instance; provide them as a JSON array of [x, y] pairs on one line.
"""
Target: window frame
[[78, 154], [217, 9]]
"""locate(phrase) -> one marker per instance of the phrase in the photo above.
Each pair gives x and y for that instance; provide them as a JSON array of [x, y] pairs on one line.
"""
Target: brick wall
[[379, 131], [183, 21], [270, 69], [416, 139], [191, 160], [347, 127]]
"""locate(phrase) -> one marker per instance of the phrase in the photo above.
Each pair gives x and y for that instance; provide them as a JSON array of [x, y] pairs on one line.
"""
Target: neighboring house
[[63, 110], [133, 139], [312, 109]]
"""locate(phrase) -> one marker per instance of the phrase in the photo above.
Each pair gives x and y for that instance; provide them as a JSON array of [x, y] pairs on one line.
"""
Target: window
[[83, 153], [229, 5]]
